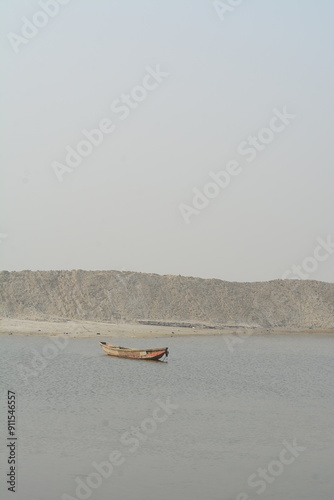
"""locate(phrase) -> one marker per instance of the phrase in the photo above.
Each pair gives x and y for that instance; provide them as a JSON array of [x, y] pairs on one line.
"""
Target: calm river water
[[250, 422]]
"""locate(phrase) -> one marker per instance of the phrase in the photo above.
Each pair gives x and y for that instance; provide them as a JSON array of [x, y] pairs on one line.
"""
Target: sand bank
[[83, 329]]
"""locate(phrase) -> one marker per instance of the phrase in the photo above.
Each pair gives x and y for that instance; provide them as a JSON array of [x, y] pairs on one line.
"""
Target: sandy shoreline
[[84, 329]]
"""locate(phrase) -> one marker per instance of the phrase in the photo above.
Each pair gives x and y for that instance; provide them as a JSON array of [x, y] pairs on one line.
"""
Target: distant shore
[[84, 329]]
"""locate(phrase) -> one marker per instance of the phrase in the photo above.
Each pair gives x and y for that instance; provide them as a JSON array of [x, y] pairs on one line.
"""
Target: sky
[[169, 137]]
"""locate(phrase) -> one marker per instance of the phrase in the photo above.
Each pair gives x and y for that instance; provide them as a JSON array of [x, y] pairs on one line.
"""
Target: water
[[231, 413]]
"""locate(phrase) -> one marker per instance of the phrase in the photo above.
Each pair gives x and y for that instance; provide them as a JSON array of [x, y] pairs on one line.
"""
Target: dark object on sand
[[127, 352]]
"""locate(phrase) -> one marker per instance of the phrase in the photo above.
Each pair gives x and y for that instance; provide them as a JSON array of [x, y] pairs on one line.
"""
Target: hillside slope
[[129, 297]]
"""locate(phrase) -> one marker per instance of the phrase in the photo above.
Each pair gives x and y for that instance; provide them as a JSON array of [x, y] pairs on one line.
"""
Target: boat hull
[[125, 352]]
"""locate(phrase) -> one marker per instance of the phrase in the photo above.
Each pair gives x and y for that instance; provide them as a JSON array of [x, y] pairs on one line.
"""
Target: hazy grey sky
[[180, 89]]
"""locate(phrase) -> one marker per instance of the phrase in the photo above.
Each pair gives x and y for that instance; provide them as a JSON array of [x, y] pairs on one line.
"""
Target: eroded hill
[[129, 297]]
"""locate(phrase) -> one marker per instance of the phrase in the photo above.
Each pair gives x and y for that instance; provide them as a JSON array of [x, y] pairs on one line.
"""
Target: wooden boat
[[127, 352]]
